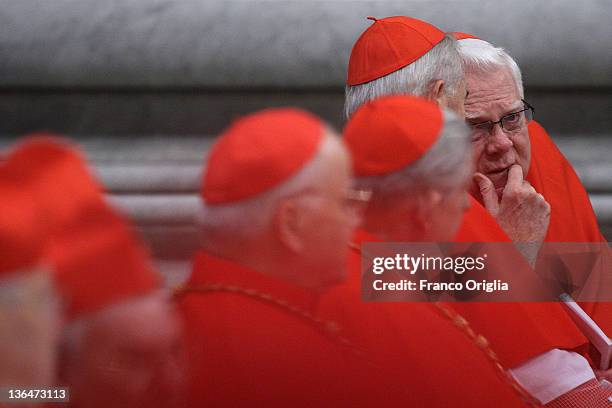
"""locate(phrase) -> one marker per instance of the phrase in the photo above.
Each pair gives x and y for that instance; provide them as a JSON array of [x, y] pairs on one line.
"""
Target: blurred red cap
[[462, 36], [99, 262], [96, 258], [258, 152], [390, 44], [390, 133], [21, 238], [55, 174]]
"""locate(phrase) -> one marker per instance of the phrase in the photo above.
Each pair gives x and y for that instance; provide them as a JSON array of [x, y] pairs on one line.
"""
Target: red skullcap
[[259, 152], [55, 174], [390, 133], [388, 45], [96, 259], [99, 262], [21, 240], [462, 36]]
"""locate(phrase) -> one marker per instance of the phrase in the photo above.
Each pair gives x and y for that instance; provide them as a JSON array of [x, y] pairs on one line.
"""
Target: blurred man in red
[[120, 342], [29, 305], [276, 220]]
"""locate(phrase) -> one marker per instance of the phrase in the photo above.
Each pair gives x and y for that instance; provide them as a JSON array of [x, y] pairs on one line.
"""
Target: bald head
[[300, 226]]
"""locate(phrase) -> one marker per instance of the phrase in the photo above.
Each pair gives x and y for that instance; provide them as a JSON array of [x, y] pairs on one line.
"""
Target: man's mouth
[[499, 178]]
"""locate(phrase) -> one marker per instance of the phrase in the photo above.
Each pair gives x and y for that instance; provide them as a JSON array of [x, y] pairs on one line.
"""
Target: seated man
[[112, 354], [276, 220], [496, 93]]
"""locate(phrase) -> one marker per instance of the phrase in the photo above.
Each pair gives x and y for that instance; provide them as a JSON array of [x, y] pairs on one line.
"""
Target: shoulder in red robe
[[254, 340], [420, 348], [516, 331], [572, 218]]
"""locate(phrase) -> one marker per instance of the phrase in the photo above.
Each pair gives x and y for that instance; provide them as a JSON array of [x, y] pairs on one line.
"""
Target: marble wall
[[276, 43]]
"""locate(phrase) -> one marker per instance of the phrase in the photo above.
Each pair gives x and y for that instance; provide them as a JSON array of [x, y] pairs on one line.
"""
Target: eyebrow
[[478, 115]]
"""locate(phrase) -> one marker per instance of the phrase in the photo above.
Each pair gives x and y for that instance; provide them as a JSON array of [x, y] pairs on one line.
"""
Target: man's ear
[[289, 224], [427, 208], [436, 92]]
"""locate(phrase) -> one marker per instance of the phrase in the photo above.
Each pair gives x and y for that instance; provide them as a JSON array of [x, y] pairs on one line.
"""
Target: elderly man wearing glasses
[[504, 135]]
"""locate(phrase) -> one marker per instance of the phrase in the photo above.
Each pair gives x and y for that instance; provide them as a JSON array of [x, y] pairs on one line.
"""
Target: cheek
[[457, 205], [478, 156], [522, 145]]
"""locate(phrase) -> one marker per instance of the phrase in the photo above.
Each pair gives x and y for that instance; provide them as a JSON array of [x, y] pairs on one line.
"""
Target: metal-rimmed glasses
[[510, 122]]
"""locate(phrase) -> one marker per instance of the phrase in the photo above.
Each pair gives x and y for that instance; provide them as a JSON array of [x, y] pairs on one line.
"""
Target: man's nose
[[498, 141]]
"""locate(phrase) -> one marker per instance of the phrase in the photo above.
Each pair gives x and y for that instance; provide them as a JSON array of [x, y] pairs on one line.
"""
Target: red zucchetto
[[390, 133], [258, 152], [390, 44], [21, 240], [95, 257], [462, 36]]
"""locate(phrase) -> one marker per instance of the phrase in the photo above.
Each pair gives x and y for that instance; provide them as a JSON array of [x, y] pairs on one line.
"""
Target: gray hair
[[443, 168], [248, 218], [441, 62], [482, 56]]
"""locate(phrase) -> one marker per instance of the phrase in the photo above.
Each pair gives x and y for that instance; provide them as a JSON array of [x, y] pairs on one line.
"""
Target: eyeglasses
[[358, 196], [509, 123], [354, 199], [349, 200]]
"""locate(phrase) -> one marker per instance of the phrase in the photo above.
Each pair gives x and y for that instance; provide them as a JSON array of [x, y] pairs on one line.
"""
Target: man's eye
[[482, 126], [512, 118]]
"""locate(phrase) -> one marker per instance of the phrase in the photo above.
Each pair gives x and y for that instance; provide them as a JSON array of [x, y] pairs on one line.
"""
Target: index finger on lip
[[515, 176]]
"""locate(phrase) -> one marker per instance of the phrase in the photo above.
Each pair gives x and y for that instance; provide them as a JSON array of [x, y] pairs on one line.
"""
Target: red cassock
[[428, 357], [517, 331], [572, 218], [255, 341]]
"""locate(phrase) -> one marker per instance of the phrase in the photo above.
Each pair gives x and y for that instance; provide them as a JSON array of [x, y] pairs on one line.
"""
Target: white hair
[[443, 167], [441, 62], [481, 56], [247, 218]]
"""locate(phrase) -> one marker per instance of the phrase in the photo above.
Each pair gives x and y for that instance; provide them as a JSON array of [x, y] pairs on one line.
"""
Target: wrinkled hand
[[522, 212]]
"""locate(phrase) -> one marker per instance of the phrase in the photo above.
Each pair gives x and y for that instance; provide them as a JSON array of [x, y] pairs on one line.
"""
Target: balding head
[[296, 230]]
